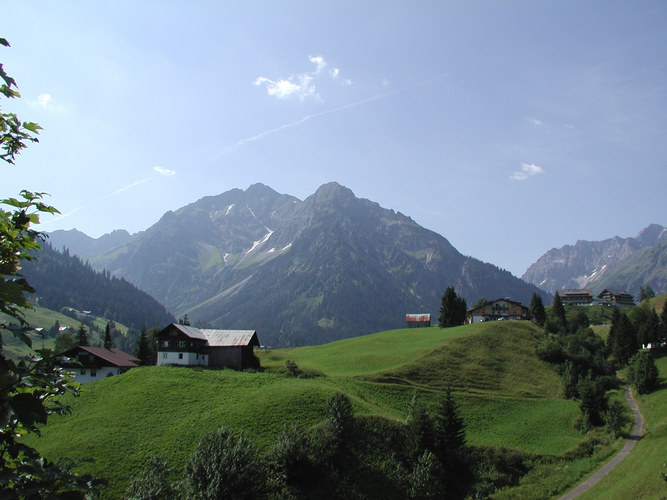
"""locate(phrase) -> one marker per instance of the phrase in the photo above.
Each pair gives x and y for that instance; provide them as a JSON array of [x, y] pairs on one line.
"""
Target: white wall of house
[[182, 358], [85, 375]]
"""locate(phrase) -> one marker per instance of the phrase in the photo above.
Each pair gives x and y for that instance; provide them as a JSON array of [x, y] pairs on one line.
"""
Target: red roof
[[111, 357], [417, 317]]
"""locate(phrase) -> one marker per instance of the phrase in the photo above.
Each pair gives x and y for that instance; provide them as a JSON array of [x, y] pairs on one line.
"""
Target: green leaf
[[33, 127]]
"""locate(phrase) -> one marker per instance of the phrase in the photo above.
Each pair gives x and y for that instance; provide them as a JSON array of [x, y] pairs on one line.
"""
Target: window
[[181, 343], [180, 355], [164, 355], [165, 343], [83, 371], [93, 372]]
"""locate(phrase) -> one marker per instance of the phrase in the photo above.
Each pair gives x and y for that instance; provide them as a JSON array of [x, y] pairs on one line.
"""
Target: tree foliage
[[642, 372], [453, 309], [537, 311], [152, 482], [225, 465]]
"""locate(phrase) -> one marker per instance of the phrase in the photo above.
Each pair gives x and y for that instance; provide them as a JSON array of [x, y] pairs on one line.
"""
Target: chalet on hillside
[[500, 309], [95, 363], [619, 298], [579, 297], [190, 346], [418, 320]]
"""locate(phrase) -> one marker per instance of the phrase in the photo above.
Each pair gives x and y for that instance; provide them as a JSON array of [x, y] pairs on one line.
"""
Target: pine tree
[[82, 336], [558, 311], [143, 351], [450, 434], [537, 312], [625, 342], [453, 309], [108, 344]]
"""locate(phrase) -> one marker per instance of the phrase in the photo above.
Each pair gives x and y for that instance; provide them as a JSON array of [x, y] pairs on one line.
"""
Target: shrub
[[642, 372], [152, 483], [225, 465]]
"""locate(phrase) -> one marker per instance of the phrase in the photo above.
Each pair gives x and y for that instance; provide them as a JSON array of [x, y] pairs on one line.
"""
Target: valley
[[507, 397]]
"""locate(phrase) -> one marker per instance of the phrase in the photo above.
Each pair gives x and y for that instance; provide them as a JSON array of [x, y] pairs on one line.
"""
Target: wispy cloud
[[46, 101], [534, 121], [296, 123], [300, 86], [527, 170], [125, 188], [164, 171]]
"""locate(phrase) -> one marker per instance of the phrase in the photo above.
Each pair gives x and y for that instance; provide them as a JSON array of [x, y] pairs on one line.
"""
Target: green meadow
[[507, 396], [643, 474]]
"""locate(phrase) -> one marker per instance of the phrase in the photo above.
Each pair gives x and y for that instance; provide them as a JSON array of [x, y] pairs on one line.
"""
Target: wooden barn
[[418, 320], [190, 346]]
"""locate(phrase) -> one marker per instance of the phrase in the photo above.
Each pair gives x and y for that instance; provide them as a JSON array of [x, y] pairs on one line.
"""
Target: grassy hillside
[[643, 474], [41, 317], [507, 396]]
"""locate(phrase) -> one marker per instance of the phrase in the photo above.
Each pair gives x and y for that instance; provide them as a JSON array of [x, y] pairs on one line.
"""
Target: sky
[[509, 127]]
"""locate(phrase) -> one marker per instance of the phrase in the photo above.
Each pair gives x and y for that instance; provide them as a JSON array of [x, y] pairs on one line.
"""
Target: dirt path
[[637, 431]]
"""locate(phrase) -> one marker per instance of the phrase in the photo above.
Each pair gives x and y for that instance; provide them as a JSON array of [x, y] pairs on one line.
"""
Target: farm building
[[418, 320], [190, 346], [615, 298], [581, 297], [504, 309], [95, 363]]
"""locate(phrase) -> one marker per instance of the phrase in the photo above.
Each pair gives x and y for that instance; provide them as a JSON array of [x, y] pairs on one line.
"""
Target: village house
[[579, 297], [500, 309], [615, 298], [94, 363], [190, 346], [418, 320]]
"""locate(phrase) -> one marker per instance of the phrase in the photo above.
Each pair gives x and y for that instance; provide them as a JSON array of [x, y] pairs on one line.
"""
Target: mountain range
[[299, 272], [619, 263]]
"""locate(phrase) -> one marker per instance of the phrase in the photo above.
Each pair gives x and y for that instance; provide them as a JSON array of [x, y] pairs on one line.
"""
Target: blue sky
[[508, 127]]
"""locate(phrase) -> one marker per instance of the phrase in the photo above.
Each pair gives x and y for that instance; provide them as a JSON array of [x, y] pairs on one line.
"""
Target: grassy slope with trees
[[643, 474], [507, 398]]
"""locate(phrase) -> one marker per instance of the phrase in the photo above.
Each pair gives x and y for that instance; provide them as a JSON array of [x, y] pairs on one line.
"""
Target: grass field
[[643, 474], [508, 398]]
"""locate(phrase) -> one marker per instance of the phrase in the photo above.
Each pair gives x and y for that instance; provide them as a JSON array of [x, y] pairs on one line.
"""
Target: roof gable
[[231, 338], [113, 357], [217, 338]]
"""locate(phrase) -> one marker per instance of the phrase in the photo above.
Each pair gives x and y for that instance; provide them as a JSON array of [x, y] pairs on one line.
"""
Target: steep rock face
[[300, 272], [587, 262]]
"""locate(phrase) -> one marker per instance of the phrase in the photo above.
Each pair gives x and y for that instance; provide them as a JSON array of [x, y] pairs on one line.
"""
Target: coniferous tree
[[537, 312], [558, 311], [625, 341], [453, 309], [82, 336], [143, 352], [450, 434], [108, 344]]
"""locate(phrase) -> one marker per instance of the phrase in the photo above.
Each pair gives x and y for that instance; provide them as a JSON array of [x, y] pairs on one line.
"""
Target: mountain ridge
[[302, 272], [588, 264]]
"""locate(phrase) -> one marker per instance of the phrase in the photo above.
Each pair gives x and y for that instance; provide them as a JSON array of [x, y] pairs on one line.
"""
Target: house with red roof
[[94, 363], [189, 346]]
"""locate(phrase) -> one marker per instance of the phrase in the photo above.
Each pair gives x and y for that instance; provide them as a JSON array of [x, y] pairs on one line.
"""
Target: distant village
[[185, 345]]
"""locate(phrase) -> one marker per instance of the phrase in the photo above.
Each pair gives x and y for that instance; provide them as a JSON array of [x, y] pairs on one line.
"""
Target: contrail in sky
[[378, 97], [125, 188]]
